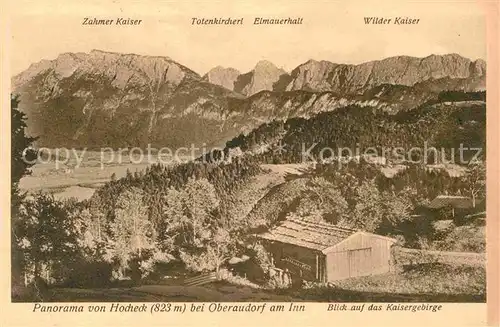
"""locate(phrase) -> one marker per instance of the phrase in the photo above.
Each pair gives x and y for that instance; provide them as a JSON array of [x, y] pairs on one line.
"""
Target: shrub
[[89, 274]]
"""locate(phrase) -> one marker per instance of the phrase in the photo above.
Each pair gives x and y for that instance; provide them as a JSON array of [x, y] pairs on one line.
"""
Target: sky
[[332, 30]]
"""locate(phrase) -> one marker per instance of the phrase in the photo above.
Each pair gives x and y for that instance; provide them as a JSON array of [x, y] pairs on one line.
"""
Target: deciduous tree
[[132, 231]]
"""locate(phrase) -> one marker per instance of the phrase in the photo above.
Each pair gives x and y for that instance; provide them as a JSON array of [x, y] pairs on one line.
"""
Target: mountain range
[[325, 76], [102, 99]]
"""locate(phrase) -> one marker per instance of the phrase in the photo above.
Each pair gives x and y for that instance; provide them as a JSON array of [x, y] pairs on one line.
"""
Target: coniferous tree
[[22, 154], [22, 158], [46, 234]]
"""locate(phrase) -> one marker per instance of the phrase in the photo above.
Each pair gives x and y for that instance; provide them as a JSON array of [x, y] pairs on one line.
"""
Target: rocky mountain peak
[[265, 65], [311, 75], [478, 67], [400, 70], [103, 98], [222, 76], [263, 77], [122, 69]]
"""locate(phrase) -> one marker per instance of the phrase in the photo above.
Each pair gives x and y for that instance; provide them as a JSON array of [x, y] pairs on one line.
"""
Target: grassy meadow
[[78, 173]]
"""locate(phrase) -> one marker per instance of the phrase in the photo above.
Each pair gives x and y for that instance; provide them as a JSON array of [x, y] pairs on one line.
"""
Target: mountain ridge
[[323, 75], [109, 99]]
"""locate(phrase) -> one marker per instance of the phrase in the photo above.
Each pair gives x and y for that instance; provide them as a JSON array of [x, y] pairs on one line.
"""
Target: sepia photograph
[[335, 154]]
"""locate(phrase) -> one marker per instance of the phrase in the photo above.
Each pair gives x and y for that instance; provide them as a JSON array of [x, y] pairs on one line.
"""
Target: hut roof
[[313, 235]]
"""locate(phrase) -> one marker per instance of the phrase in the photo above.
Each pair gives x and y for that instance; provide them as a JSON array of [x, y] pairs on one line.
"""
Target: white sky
[[332, 30]]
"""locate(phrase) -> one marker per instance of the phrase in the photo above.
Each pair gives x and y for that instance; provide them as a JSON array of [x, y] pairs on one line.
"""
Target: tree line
[[439, 124]]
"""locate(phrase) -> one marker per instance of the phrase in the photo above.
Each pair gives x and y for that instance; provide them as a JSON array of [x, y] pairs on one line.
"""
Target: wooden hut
[[324, 252]]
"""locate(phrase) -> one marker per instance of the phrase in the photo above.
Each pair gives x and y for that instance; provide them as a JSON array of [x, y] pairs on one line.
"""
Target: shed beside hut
[[323, 252]]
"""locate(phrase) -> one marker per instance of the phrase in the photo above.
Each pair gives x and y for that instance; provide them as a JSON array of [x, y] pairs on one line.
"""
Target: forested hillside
[[455, 119], [184, 215]]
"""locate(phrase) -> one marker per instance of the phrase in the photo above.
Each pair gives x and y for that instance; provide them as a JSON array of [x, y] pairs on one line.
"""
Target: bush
[[36, 291], [226, 275], [466, 239], [279, 280], [89, 274]]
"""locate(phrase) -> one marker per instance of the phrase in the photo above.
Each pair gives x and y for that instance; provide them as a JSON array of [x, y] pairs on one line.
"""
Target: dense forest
[[453, 120]]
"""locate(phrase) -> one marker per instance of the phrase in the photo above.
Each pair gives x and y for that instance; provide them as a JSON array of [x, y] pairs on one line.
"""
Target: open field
[[164, 293], [79, 175], [230, 293], [429, 278]]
